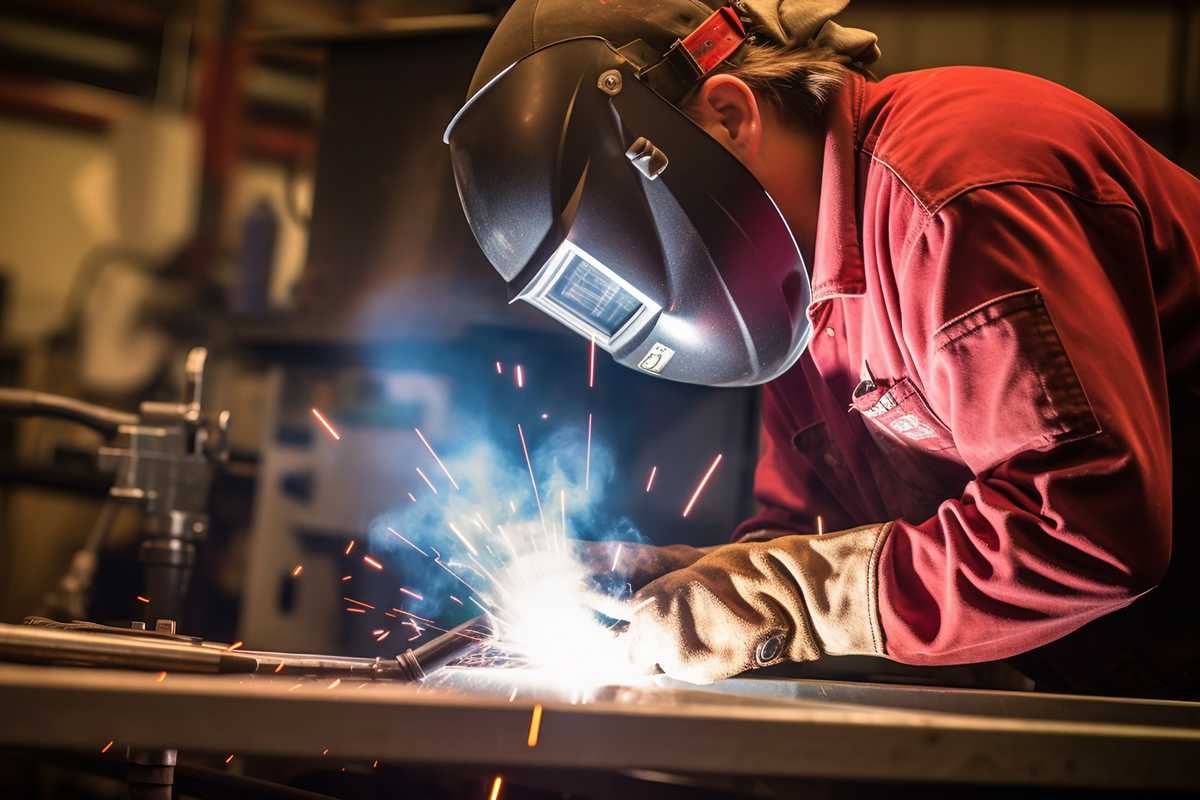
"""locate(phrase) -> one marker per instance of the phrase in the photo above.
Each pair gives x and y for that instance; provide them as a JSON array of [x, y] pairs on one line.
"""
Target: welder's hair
[[798, 83]]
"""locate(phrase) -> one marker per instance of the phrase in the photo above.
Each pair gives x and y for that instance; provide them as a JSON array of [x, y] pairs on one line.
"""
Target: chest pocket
[[919, 467]]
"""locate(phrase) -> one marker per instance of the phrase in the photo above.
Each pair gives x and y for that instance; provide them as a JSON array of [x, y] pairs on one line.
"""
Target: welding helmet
[[602, 204]]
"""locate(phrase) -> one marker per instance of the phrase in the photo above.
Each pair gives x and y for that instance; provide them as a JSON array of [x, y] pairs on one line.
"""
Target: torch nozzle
[[450, 646]]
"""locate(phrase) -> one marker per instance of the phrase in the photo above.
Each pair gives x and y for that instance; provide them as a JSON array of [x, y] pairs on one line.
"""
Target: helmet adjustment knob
[[649, 160], [610, 82]]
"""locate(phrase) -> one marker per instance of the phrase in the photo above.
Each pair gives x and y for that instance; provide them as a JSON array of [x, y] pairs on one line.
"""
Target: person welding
[[972, 297]]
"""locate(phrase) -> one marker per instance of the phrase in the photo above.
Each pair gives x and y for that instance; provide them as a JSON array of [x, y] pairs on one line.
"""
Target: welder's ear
[[727, 108]]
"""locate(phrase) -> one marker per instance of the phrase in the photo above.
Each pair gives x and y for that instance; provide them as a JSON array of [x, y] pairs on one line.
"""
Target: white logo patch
[[911, 427], [657, 359]]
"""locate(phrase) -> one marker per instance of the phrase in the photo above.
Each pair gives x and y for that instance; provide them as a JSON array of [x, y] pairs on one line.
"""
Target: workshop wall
[[1142, 63]]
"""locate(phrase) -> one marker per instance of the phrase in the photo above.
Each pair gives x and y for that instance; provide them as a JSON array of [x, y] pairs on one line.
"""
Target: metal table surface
[[816, 729]]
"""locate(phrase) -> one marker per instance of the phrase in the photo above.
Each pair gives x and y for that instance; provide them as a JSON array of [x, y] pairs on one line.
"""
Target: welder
[[972, 297]]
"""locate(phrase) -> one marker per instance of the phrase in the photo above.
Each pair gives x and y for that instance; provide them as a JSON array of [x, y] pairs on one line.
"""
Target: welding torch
[[410, 665], [42, 640]]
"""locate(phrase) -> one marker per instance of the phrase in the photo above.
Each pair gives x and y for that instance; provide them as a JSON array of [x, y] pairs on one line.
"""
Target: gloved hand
[[637, 564], [744, 606]]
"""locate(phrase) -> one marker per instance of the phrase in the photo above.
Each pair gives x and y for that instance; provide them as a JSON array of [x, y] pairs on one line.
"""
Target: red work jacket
[[1006, 302]]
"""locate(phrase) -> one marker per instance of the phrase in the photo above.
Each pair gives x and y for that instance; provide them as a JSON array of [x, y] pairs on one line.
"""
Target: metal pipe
[[26, 403]]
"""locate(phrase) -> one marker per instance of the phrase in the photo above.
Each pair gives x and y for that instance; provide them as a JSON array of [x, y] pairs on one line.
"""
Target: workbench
[[773, 728]]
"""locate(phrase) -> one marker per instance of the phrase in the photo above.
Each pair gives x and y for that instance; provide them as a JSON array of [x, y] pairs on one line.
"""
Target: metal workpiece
[[465, 717]]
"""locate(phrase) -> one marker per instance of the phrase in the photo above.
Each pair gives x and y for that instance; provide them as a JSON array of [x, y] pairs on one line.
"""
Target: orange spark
[[107, 747], [383, 636], [352, 610], [463, 539], [375, 763], [236, 645], [703, 481], [412, 497], [411, 593], [429, 447], [592, 363], [529, 464], [428, 482], [358, 603], [349, 548], [535, 725], [370, 562], [321, 419], [298, 570], [142, 599], [499, 368], [229, 759], [455, 599], [279, 667], [336, 683], [325, 752], [495, 795], [507, 541], [519, 373], [616, 557], [820, 525], [587, 464], [650, 482], [160, 677], [346, 578], [402, 538]]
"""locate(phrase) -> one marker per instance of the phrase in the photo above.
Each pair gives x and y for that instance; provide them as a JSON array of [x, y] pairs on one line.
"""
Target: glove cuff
[[836, 575]]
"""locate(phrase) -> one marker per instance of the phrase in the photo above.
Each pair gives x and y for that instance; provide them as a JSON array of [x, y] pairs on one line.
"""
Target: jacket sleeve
[[1031, 318]]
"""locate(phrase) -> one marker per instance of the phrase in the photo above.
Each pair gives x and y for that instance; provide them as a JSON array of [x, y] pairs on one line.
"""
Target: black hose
[[27, 403]]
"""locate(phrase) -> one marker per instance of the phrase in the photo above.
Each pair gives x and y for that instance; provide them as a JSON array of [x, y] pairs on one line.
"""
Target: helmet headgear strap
[[690, 59]]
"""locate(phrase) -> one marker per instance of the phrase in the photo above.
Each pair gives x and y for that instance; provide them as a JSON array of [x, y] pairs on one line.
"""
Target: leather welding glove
[[750, 605], [635, 564]]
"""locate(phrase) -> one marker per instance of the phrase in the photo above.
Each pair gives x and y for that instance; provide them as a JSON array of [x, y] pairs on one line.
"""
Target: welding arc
[[429, 447]]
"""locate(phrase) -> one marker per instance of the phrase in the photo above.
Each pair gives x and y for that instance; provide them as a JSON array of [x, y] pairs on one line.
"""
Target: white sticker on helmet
[[657, 359]]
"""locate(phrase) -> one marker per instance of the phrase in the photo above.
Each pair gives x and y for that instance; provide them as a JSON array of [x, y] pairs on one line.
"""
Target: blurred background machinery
[[266, 179]]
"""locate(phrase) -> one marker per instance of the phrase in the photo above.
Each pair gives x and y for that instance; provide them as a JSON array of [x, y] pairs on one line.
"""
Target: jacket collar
[[838, 269]]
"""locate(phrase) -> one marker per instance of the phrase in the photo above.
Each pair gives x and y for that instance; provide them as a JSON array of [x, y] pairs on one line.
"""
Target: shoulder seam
[[932, 208], [1034, 184], [897, 176]]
